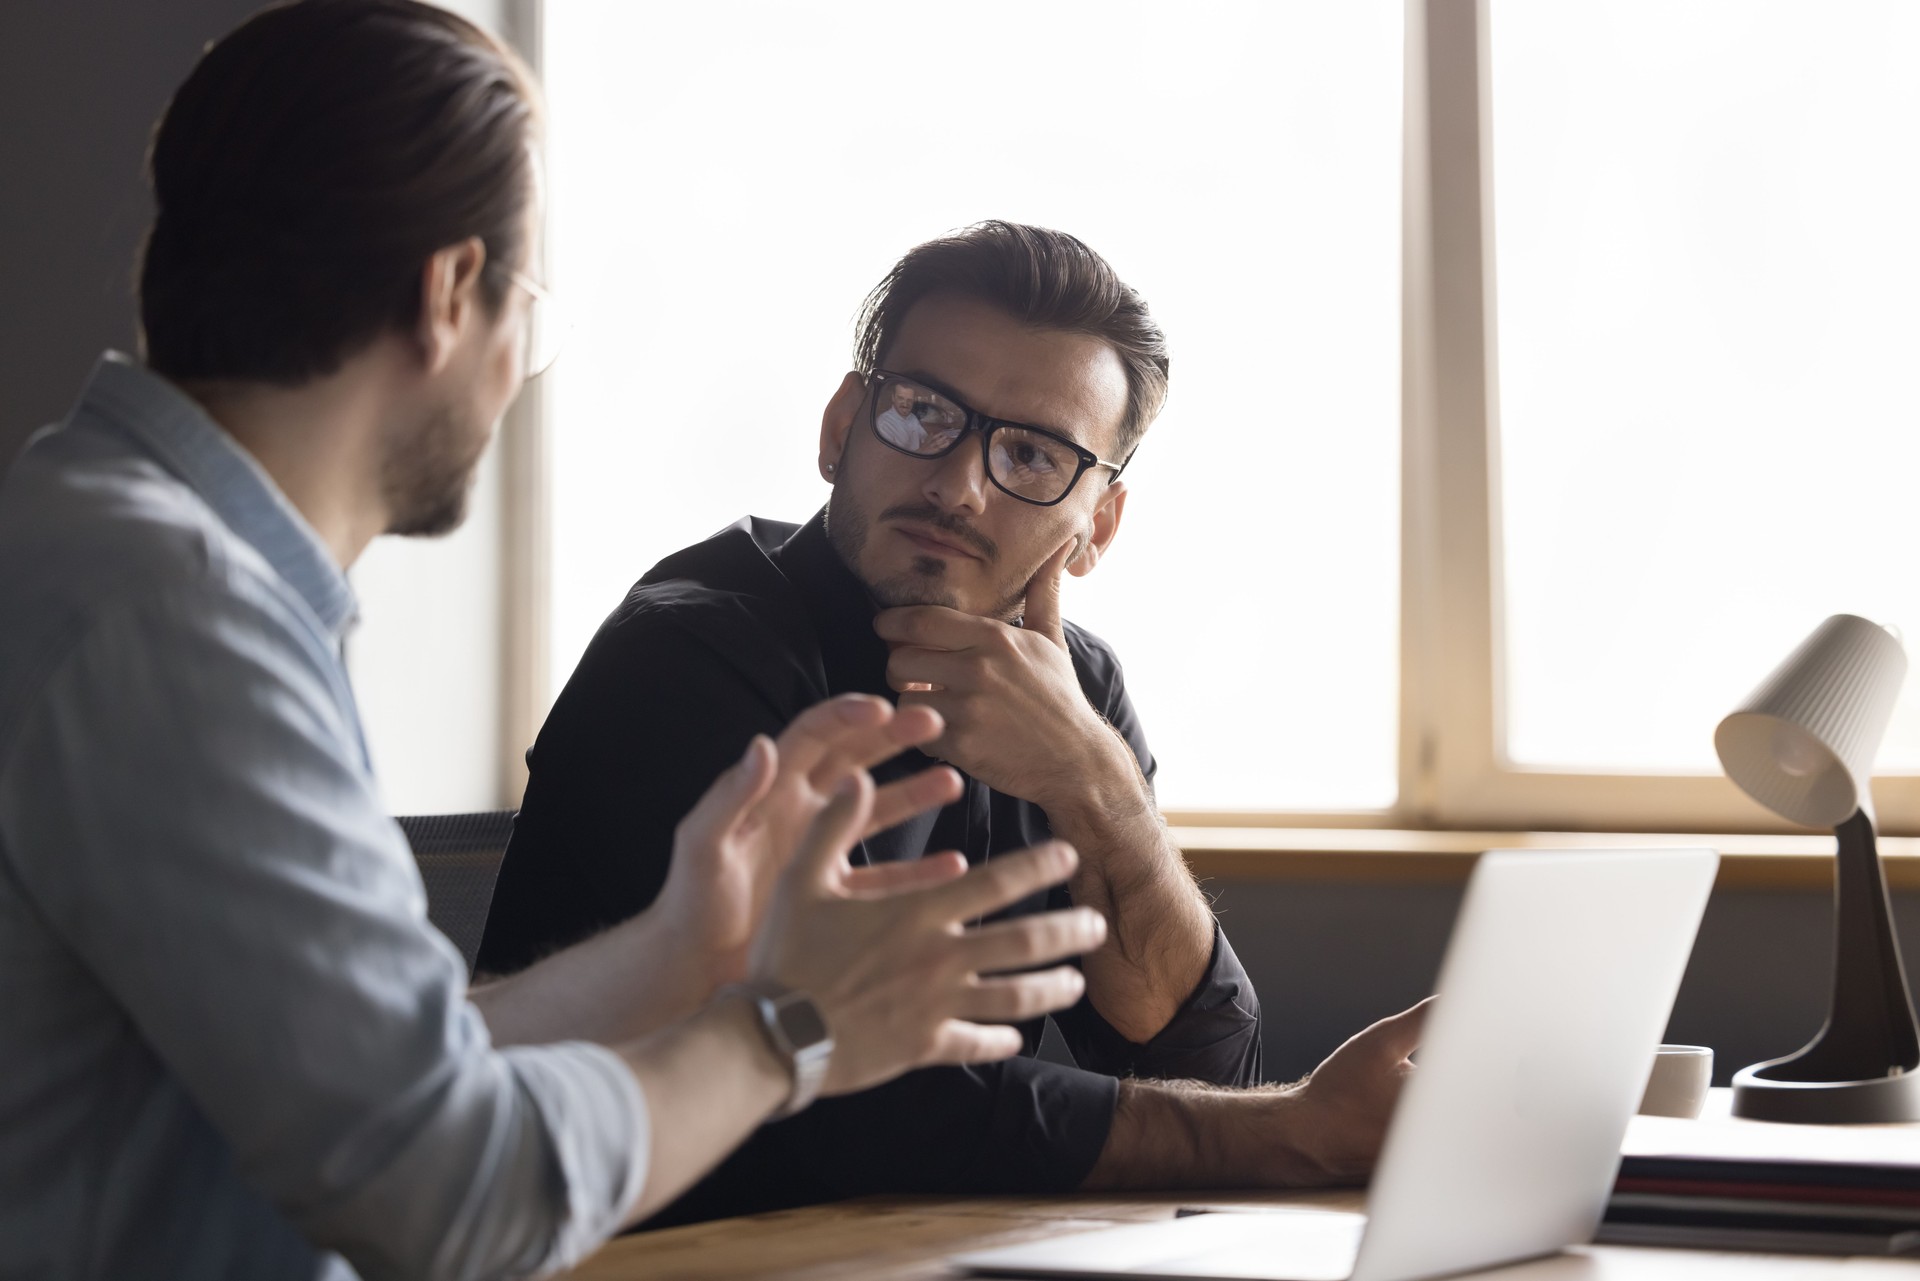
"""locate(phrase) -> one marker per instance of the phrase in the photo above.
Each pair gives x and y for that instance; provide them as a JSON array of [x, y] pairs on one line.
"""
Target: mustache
[[950, 525]]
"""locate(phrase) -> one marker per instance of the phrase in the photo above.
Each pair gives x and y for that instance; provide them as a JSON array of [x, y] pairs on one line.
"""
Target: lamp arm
[[1871, 1030]]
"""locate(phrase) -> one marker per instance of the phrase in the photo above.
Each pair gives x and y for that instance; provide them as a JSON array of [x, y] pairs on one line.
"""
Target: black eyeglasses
[[1029, 463]]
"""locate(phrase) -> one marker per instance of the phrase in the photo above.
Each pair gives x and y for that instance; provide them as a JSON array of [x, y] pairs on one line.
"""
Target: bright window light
[[729, 179], [1708, 271]]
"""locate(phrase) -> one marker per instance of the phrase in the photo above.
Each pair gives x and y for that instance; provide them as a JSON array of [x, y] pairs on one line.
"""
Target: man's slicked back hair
[[311, 164], [1046, 279]]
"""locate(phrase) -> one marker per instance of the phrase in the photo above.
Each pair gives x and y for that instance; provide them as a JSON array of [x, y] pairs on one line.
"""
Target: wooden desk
[[909, 1239]]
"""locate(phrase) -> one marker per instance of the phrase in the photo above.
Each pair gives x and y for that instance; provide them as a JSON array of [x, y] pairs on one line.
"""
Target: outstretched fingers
[[818, 729], [852, 731], [897, 802], [955, 1041], [1006, 880], [1017, 998], [882, 880], [908, 726], [1031, 940], [833, 832]]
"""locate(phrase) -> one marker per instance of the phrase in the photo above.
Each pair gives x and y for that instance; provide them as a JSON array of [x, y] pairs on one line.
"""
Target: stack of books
[[1729, 1184]]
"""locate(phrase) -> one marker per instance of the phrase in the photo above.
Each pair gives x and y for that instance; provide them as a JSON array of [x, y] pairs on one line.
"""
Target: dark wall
[[81, 84], [1328, 959]]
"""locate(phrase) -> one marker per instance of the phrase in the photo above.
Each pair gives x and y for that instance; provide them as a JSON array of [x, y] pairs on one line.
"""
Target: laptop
[[1555, 990]]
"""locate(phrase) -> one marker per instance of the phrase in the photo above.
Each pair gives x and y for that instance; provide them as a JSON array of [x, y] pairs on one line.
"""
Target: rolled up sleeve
[[1215, 1036], [187, 807]]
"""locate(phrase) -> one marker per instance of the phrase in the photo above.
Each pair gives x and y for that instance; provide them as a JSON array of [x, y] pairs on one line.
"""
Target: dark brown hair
[[307, 169], [1043, 278]]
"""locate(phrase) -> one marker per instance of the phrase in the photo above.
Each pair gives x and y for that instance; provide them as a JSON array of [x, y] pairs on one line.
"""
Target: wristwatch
[[796, 1031]]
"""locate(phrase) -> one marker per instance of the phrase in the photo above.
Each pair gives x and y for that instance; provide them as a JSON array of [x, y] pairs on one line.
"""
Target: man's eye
[[1032, 457]]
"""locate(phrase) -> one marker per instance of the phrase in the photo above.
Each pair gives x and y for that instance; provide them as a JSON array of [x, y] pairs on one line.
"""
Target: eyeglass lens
[[918, 420]]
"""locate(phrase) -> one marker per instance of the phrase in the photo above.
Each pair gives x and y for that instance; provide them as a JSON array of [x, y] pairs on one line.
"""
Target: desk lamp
[[1803, 745]]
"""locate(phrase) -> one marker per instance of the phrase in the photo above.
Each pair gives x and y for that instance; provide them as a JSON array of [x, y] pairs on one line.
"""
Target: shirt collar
[[840, 608], [169, 425]]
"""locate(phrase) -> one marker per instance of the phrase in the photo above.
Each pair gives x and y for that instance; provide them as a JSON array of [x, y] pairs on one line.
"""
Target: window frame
[[1455, 769], [526, 515]]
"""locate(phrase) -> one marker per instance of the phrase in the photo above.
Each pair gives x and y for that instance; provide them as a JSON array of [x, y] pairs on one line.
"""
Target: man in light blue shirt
[[230, 1043], [898, 424]]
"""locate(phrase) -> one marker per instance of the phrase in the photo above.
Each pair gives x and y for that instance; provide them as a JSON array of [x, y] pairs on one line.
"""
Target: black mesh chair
[[459, 857]]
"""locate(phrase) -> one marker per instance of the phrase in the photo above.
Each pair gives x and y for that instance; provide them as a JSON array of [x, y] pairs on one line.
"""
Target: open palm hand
[[731, 848]]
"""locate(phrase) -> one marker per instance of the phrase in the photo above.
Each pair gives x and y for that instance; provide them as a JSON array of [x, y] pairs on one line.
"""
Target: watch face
[[801, 1023]]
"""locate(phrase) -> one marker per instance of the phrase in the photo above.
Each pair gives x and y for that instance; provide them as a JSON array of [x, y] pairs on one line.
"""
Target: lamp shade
[[1803, 743]]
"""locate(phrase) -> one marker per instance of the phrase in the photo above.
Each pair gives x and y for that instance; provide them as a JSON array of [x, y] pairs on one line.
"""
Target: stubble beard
[[427, 475], [924, 582]]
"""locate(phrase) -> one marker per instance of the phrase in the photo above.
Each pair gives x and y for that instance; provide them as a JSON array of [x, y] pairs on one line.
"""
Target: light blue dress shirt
[[230, 1043]]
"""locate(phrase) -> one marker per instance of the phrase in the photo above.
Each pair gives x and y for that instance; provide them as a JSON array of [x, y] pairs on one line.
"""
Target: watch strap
[[796, 1031]]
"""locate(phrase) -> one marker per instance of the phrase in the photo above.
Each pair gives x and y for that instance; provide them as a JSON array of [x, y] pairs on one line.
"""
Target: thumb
[[1398, 1036], [1043, 596], [823, 850]]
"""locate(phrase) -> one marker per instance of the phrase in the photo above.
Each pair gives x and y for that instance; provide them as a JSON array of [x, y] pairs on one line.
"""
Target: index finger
[[930, 627], [1043, 595], [911, 726], [860, 723]]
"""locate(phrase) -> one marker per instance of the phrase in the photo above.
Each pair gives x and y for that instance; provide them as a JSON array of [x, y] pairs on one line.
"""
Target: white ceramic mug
[[1681, 1077]]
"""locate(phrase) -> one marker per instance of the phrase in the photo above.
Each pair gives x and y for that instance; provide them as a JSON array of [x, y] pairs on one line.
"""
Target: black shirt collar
[[840, 608]]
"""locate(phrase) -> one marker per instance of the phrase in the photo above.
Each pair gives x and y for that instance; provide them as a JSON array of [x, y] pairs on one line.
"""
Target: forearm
[[1181, 1134], [618, 986], [712, 1080], [1159, 928]]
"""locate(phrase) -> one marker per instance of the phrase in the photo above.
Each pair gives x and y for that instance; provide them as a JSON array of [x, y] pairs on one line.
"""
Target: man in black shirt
[[1030, 372]]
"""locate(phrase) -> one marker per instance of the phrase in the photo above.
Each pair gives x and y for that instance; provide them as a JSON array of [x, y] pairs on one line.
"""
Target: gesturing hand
[[733, 845], [893, 967], [1016, 717]]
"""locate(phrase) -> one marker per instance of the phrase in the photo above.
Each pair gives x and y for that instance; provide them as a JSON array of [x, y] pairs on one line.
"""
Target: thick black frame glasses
[[972, 420]]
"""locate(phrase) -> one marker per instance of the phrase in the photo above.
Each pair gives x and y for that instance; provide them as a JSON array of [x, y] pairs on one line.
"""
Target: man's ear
[[836, 424], [1101, 530], [449, 300]]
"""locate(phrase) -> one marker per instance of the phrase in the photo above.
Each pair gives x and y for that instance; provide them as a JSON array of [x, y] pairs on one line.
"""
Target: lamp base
[[1881, 1100], [1864, 1066]]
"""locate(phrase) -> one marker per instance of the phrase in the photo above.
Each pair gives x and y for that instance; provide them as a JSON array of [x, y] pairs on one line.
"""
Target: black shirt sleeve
[[651, 715], [1215, 1036]]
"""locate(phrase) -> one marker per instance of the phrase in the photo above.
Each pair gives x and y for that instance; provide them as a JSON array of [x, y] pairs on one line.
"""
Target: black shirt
[[736, 636]]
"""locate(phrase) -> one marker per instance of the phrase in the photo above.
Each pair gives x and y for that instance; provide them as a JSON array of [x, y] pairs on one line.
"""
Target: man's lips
[[928, 541]]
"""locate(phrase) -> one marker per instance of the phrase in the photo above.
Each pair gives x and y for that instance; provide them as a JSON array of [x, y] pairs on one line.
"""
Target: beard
[[925, 580], [428, 472]]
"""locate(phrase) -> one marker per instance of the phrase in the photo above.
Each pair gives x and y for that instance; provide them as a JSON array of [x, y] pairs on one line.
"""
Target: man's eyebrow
[[922, 376]]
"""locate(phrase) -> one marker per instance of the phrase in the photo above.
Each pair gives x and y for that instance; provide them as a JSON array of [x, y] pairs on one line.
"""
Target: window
[[1707, 336], [1502, 524], [729, 180]]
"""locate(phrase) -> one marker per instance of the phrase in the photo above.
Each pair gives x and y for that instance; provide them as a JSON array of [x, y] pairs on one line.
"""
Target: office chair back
[[459, 857]]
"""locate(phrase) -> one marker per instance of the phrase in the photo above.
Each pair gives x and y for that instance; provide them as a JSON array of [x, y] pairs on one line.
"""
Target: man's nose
[[959, 482]]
